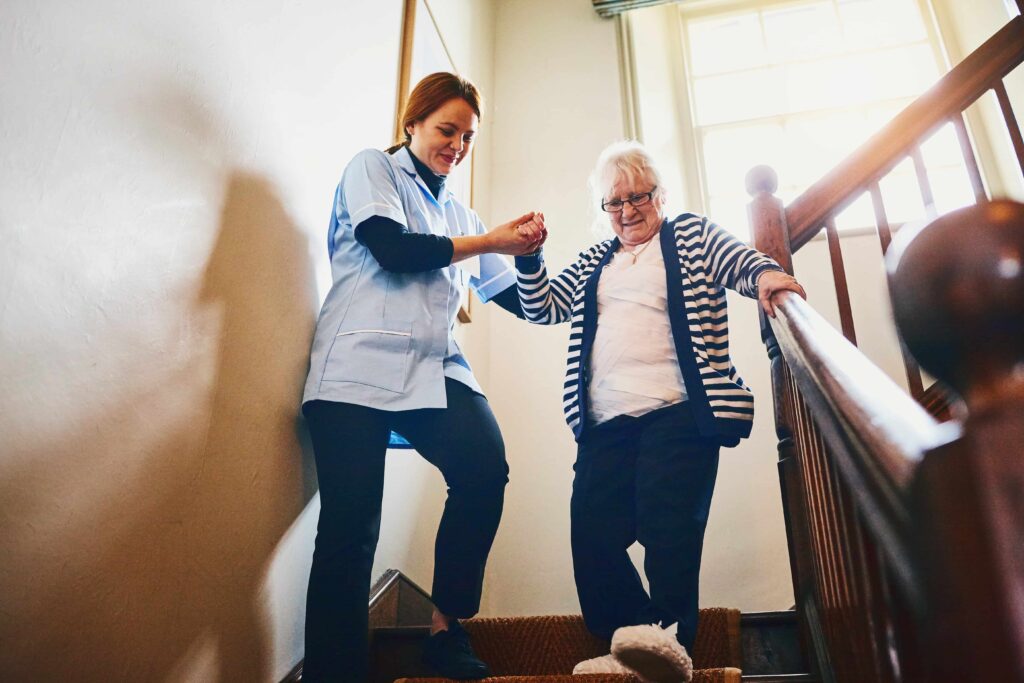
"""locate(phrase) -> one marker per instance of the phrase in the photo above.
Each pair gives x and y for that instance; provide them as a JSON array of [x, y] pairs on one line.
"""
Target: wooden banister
[[905, 533], [964, 84], [891, 429], [876, 433]]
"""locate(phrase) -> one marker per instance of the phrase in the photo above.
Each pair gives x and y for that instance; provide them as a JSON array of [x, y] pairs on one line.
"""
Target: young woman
[[384, 362]]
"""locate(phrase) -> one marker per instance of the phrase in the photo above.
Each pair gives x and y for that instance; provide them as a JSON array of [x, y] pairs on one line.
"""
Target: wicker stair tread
[[718, 675], [553, 645]]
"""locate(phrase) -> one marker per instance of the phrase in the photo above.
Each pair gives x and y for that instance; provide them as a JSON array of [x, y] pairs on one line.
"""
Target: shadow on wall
[[155, 572]]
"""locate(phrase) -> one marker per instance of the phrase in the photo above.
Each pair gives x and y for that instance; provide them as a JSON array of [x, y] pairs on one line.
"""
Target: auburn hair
[[429, 95]]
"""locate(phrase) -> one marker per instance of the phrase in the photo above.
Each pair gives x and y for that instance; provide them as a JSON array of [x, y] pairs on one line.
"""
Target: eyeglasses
[[636, 200]]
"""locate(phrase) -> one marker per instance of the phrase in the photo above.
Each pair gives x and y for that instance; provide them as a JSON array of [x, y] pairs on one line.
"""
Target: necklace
[[636, 253]]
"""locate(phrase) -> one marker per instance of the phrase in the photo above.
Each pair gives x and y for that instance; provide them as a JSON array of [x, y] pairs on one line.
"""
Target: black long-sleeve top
[[400, 251]]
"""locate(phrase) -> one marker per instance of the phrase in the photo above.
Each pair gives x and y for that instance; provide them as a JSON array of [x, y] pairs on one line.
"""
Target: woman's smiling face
[[445, 137]]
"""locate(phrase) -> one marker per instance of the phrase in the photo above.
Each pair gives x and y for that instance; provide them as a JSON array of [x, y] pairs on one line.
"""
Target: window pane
[[802, 31], [725, 44], [947, 170], [730, 212], [739, 96], [859, 214], [799, 85], [817, 142], [730, 153], [951, 187], [874, 23], [860, 78], [943, 148], [902, 195]]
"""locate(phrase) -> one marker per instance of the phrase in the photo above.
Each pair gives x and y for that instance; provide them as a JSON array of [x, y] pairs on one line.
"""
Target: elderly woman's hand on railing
[[773, 281]]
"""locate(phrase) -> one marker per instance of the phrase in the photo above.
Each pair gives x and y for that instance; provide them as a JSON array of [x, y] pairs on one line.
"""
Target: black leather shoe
[[450, 654]]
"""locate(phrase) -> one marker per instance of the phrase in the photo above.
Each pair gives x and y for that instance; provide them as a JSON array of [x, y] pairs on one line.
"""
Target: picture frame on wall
[[423, 52]]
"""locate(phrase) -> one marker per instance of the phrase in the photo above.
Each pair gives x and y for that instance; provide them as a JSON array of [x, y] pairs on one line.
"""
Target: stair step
[[586, 678], [699, 676], [771, 644], [547, 647], [765, 645]]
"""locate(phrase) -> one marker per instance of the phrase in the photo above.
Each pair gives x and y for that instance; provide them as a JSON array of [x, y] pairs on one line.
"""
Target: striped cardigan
[[709, 259]]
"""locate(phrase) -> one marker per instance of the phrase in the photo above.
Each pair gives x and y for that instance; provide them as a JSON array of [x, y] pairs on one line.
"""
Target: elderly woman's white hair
[[628, 159]]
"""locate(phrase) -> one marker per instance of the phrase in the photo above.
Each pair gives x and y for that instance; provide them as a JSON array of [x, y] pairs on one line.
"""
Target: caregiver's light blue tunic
[[384, 339]]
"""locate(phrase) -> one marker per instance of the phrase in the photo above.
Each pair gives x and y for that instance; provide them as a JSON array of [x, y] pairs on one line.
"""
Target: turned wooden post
[[958, 298], [770, 236], [768, 217]]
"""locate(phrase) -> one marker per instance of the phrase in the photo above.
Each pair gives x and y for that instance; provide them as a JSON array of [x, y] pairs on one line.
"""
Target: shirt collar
[[404, 159]]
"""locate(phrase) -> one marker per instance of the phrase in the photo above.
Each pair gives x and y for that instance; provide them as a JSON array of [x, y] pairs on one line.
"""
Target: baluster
[[855, 658], [914, 382], [865, 660], [771, 236], [972, 162], [879, 607], [839, 275], [1011, 122], [881, 218], [794, 506], [922, 182], [811, 463]]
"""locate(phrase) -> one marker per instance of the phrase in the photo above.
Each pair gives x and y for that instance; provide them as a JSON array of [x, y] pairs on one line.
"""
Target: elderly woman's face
[[635, 224]]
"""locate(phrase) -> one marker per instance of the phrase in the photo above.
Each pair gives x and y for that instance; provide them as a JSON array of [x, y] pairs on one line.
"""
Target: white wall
[[414, 491], [164, 190]]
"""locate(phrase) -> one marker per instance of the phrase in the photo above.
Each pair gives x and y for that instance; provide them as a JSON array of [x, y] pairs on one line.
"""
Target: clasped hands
[[522, 235]]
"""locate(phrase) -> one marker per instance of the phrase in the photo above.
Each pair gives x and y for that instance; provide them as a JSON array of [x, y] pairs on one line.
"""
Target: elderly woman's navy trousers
[[349, 442], [647, 479]]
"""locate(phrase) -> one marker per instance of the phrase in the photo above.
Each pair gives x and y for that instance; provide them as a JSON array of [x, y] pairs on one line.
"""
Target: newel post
[[958, 298], [767, 216], [770, 235]]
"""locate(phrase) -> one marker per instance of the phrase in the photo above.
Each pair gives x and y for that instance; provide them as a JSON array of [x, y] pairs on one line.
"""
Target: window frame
[[693, 134]]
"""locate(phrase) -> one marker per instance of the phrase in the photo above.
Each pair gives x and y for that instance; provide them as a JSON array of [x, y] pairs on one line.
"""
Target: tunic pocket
[[375, 354]]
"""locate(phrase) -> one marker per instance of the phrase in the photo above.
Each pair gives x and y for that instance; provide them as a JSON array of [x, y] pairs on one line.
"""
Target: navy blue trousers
[[349, 444], [647, 479]]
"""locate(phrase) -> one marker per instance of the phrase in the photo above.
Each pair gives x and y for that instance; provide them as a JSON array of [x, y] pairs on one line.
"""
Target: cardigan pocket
[[375, 353]]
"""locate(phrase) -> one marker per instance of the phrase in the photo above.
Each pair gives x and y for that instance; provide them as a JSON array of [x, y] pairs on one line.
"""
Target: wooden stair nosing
[[785, 617]]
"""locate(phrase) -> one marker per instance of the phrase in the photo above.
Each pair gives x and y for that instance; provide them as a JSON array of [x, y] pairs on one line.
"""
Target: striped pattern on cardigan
[[709, 259]]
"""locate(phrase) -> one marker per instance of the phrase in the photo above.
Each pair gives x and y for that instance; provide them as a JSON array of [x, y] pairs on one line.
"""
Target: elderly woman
[[651, 395]]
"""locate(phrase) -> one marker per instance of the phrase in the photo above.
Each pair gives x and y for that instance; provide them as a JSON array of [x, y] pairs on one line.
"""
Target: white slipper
[[652, 652], [605, 665]]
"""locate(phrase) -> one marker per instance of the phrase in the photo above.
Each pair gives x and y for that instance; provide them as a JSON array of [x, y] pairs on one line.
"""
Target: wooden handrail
[[877, 432], [954, 92], [890, 426], [912, 526]]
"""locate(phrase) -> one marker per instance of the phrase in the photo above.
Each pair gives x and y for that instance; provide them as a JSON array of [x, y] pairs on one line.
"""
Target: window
[[798, 85]]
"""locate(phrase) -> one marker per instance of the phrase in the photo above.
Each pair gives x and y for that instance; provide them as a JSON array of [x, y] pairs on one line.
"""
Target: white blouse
[[633, 364]]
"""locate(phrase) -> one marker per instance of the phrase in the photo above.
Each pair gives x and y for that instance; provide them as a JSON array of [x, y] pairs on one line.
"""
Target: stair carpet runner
[[545, 649]]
